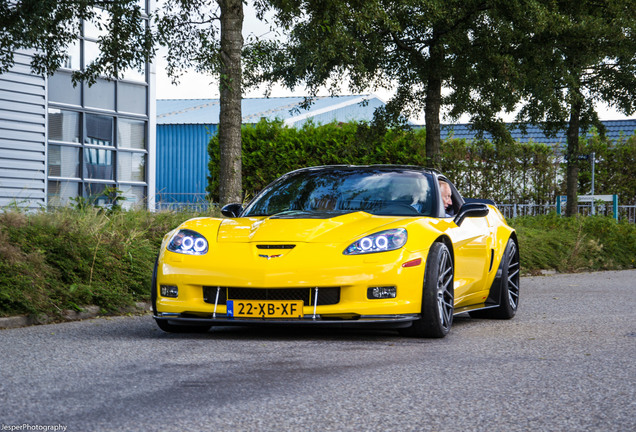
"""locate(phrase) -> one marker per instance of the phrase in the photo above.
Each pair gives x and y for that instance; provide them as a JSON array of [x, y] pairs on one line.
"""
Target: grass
[[60, 260], [575, 244]]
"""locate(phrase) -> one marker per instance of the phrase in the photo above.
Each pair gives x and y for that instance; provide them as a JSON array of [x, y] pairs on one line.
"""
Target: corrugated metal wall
[[182, 169], [22, 136]]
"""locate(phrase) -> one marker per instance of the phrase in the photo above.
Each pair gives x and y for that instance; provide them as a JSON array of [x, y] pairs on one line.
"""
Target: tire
[[508, 288], [437, 296], [165, 325]]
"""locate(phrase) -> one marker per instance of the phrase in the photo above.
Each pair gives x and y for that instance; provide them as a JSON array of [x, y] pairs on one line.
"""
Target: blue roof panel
[[615, 129], [206, 111]]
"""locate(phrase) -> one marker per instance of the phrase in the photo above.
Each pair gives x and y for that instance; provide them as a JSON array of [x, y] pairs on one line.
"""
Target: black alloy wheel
[[437, 296]]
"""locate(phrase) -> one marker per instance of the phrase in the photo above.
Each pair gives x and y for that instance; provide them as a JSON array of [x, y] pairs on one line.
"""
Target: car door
[[471, 248]]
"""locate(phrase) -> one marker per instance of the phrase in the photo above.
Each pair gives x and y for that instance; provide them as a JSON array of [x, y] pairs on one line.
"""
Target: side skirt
[[494, 296]]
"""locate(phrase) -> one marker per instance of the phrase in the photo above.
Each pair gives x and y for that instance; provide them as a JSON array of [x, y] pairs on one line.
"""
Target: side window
[[456, 199]]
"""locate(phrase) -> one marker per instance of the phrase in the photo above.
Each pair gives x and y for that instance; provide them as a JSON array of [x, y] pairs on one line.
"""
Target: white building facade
[[60, 143]]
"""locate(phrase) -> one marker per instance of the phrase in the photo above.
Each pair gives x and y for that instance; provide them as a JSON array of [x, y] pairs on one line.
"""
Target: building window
[[63, 161], [131, 134], [64, 125], [62, 192], [87, 158], [135, 196], [99, 130], [97, 135], [73, 56]]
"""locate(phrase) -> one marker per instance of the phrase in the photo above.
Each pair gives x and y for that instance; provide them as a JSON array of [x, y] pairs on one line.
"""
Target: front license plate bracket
[[265, 309]]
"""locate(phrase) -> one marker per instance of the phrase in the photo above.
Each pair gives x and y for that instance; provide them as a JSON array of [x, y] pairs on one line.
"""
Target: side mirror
[[232, 210], [471, 210]]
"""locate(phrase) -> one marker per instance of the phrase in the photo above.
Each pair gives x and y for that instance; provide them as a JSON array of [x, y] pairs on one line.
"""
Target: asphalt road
[[564, 363]]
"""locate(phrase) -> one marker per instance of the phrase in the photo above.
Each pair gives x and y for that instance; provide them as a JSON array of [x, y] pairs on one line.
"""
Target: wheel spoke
[[444, 290], [448, 270], [513, 274], [444, 312], [446, 283], [514, 285], [512, 299]]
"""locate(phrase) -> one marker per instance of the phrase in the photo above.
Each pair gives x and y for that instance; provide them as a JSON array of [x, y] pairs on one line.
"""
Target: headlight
[[188, 242], [379, 242]]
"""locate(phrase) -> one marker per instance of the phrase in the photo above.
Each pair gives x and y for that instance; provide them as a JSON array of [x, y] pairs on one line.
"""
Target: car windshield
[[329, 191]]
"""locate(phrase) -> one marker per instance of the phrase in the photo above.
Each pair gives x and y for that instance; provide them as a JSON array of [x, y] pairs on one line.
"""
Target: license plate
[[264, 309]]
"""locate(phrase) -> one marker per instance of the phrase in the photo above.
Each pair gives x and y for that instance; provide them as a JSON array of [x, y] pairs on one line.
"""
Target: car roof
[[382, 167]]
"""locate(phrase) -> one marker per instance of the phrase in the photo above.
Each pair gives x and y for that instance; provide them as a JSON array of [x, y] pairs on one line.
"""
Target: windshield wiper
[[309, 214]]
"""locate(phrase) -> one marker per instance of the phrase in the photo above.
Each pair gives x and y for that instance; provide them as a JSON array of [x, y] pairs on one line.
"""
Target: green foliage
[[50, 27], [58, 260], [614, 170], [507, 172], [571, 55], [504, 172], [270, 149], [575, 244]]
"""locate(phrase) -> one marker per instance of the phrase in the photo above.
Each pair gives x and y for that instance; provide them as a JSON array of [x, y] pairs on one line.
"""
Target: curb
[[87, 312]]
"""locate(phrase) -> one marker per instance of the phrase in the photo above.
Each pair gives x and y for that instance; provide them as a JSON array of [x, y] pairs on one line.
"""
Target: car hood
[[321, 230]]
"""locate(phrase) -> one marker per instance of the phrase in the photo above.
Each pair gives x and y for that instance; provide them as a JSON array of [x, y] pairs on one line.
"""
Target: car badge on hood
[[270, 256]]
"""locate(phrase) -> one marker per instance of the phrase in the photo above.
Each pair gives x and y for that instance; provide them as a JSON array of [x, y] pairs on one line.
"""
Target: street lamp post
[[593, 160]]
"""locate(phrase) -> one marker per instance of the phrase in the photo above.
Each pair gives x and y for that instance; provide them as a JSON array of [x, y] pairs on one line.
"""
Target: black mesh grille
[[275, 246], [326, 296]]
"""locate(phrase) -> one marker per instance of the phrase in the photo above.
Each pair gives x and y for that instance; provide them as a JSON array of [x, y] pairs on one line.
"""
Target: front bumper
[[197, 279]]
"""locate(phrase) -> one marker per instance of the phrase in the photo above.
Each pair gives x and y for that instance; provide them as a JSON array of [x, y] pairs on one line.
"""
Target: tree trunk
[[434, 104], [572, 176], [230, 117]]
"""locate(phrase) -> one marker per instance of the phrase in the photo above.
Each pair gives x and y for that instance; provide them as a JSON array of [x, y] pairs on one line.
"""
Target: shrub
[[575, 244], [51, 261], [507, 172]]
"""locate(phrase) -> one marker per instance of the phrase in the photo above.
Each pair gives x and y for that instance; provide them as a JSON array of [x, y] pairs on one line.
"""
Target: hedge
[[505, 172]]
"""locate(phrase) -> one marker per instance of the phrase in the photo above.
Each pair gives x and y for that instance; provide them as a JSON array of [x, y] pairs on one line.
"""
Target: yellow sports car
[[379, 244]]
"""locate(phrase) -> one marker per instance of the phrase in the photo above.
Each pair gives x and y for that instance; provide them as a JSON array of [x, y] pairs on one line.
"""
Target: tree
[[207, 35], [50, 26], [418, 46], [231, 97], [576, 53]]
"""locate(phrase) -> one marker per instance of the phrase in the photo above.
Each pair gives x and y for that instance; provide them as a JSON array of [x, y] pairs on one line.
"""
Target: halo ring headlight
[[381, 241], [188, 242]]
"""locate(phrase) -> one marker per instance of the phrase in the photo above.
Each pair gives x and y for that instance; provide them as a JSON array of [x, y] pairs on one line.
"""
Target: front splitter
[[222, 319]]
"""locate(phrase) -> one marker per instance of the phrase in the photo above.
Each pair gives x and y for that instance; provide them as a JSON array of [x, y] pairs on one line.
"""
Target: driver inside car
[[445, 191]]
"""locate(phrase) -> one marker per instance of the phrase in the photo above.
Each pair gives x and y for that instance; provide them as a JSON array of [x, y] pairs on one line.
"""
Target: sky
[[193, 85]]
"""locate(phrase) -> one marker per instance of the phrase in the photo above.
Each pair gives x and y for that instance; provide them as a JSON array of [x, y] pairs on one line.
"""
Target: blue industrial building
[[185, 126]]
